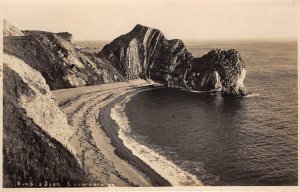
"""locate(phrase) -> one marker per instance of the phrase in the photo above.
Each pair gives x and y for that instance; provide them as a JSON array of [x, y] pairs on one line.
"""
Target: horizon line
[[208, 39]]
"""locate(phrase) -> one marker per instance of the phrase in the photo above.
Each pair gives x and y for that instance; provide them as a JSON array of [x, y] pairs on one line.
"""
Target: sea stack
[[39, 125], [145, 53]]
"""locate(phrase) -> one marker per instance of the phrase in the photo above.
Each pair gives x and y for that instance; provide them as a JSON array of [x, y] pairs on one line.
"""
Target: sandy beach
[[94, 149]]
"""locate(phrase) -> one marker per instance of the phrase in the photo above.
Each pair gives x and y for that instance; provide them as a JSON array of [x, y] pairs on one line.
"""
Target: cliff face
[[142, 53], [35, 131], [56, 57], [10, 30], [220, 70], [145, 53]]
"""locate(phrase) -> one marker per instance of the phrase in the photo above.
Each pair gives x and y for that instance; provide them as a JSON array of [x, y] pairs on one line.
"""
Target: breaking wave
[[167, 169], [253, 95]]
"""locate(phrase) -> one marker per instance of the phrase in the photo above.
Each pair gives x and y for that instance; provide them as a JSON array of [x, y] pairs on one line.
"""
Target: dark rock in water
[[145, 53], [142, 53], [220, 70]]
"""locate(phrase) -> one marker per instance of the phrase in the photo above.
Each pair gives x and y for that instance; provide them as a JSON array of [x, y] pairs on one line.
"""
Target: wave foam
[[167, 169], [253, 95]]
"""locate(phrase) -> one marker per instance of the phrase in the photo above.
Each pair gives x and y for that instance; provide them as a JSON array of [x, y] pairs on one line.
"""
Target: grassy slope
[[30, 154]]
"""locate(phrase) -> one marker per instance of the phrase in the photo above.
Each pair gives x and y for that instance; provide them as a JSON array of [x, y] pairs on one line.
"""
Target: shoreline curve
[[111, 129]]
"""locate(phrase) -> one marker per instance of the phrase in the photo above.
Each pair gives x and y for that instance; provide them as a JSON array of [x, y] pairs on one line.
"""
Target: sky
[[181, 19]]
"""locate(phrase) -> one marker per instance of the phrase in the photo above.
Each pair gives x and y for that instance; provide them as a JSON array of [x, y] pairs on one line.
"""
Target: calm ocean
[[227, 140]]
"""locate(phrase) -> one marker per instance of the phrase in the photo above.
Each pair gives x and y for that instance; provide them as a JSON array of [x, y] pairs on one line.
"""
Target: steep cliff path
[[93, 147]]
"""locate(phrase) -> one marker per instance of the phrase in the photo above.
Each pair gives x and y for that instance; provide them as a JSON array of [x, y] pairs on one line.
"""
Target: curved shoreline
[[111, 128], [110, 156], [164, 167], [93, 147]]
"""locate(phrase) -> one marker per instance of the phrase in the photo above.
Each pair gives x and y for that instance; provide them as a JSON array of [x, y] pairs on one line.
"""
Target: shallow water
[[227, 140]]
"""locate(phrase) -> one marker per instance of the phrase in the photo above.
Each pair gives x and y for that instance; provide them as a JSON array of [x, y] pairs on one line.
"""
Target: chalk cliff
[[10, 30], [58, 59], [145, 53], [35, 131]]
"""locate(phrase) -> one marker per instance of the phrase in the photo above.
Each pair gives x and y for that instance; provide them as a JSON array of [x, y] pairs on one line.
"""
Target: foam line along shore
[[119, 124], [82, 106]]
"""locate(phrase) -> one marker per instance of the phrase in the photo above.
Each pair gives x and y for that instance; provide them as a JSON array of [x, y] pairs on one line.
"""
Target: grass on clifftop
[[31, 158]]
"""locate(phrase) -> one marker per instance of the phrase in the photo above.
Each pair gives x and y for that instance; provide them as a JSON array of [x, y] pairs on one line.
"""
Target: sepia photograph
[[150, 95]]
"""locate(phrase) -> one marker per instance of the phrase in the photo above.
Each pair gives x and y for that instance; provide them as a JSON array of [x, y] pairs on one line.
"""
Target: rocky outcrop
[[142, 53], [10, 30], [65, 35], [56, 57], [219, 70], [35, 131], [145, 53], [40, 105]]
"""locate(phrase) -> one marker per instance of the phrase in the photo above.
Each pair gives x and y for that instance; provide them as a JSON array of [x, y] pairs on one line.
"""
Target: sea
[[206, 138]]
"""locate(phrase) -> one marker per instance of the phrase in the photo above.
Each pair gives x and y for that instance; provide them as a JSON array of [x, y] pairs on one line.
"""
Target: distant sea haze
[[95, 46], [226, 140]]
